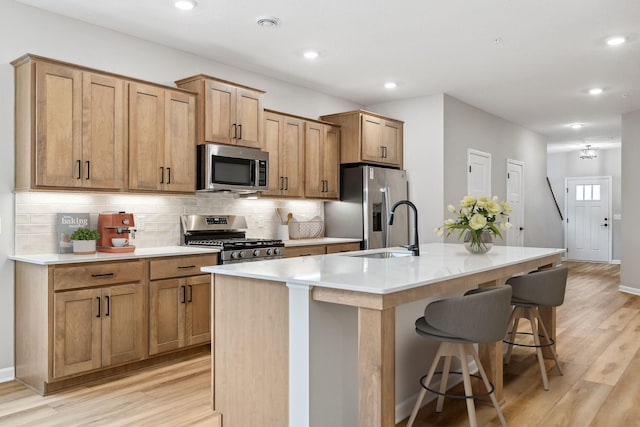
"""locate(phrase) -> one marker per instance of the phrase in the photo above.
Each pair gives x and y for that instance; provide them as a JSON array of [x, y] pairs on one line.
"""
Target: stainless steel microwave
[[232, 168]]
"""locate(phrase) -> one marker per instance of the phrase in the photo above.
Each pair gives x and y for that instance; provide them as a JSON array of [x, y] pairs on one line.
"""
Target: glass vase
[[478, 241]]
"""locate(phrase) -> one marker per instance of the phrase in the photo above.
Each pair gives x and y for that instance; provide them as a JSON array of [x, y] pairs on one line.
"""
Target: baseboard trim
[[7, 374], [629, 290], [615, 261]]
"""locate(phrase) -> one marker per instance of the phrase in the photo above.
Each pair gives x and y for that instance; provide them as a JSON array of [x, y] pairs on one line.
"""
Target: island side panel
[[251, 351]]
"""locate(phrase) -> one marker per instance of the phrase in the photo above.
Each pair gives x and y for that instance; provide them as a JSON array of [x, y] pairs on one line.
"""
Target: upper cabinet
[[228, 113], [368, 137], [161, 139], [284, 140], [79, 128], [70, 127], [322, 160]]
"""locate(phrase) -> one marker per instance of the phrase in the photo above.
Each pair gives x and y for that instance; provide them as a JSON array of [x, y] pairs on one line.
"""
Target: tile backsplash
[[36, 214]]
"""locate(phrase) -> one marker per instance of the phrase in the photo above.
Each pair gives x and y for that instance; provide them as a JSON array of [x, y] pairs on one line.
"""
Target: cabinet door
[[76, 326], [103, 139], [220, 112], [59, 126], [146, 137], [167, 299], [249, 118], [372, 130], [123, 325], [313, 142], [180, 133], [392, 142], [198, 313], [292, 157], [331, 160], [273, 126]]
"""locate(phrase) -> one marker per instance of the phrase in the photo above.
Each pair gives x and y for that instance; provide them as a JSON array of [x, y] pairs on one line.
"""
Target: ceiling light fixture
[[616, 40], [588, 153], [390, 85], [311, 54], [268, 21], [576, 125], [595, 91], [185, 4]]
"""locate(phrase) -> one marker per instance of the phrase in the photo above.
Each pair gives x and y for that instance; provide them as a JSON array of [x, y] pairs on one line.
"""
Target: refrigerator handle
[[386, 205]]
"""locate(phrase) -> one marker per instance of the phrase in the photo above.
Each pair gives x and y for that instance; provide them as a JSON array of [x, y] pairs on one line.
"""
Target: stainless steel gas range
[[226, 233]]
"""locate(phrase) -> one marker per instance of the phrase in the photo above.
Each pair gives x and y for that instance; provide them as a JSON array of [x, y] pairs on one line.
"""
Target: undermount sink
[[383, 255]]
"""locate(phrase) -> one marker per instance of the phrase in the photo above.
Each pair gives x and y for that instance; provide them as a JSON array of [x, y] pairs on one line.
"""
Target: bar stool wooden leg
[[468, 390], [423, 391], [444, 379], [536, 340], [511, 333], [487, 384], [546, 335]]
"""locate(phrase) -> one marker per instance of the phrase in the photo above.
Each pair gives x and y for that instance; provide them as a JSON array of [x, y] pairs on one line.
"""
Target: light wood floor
[[598, 347]]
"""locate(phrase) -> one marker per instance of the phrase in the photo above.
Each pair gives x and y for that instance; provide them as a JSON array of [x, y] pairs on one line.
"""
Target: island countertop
[[437, 262]]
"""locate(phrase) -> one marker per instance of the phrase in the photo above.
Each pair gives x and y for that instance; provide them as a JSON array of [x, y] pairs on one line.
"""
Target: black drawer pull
[[161, 174], [79, 170], [183, 289], [186, 266], [88, 169], [190, 293], [108, 305], [169, 173], [99, 306], [100, 276]]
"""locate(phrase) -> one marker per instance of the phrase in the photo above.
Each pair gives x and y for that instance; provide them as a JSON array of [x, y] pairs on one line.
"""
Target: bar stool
[[477, 317], [541, 288]]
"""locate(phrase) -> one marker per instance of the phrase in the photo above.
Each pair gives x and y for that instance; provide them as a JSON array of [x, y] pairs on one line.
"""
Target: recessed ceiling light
[[616, 40], [185, 4], [595, 91], [311, 54], [576, 125], [390, 85], [268, 21]]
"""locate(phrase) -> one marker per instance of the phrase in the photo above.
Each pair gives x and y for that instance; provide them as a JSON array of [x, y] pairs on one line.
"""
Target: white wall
[[28, 30], [569, 164], [467, 127], [423, 156], [630, 241]]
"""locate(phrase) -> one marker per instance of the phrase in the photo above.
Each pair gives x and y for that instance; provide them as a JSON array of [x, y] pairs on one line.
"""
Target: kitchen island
[[314, 341]]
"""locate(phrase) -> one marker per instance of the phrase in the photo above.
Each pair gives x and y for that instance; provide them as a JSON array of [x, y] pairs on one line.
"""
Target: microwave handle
[[254, 169]]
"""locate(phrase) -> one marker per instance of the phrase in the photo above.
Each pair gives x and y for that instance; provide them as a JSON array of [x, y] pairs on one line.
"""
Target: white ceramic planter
[[84, 247]]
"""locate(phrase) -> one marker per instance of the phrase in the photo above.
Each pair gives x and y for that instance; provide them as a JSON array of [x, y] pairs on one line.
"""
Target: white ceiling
[[549, 51]]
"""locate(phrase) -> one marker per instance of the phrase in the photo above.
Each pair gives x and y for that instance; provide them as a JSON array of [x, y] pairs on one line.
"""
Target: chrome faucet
[[415, 248]]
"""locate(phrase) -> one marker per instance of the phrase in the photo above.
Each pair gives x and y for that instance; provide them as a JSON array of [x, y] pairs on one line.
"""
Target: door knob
[[521, 228]]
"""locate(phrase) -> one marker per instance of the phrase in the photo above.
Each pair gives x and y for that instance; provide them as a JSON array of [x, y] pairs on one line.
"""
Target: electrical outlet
[[140, 222]]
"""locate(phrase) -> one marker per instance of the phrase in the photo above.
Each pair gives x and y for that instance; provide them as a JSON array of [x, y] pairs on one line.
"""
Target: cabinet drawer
[[188, 265], [305, 251], [97, 274], [343, 247]]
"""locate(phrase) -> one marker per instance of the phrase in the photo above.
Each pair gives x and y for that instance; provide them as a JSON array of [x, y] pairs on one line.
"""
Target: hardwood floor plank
[[578, 406]]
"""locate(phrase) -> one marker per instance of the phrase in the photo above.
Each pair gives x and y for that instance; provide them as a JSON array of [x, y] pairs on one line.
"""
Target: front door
[[515, 197], [588, 230]]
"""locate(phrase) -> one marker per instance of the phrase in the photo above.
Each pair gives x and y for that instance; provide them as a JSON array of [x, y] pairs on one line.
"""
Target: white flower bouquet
[[477, 216]]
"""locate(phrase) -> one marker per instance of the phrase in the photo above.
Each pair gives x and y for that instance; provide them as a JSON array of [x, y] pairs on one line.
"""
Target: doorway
[[588, 222], [479, 173], [515, 197]]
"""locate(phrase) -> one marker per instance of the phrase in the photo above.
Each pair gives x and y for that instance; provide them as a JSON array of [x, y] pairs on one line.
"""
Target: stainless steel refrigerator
[[367, 194]]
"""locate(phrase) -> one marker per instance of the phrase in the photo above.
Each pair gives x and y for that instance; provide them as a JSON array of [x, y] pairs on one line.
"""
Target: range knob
[[234, 255], [241, 254], [256, 252], [269, 251], [276, 251]]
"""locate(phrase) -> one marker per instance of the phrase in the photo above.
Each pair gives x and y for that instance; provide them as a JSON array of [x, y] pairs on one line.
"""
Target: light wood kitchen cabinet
[[322, 160], [180, 307], [320, 249], [76, 120], [228, 113], [284, 141], [161, 139], [369, 138]]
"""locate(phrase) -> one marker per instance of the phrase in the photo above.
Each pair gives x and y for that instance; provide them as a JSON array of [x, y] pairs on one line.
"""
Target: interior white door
[[479, 175], [515, 197], [588, 230]]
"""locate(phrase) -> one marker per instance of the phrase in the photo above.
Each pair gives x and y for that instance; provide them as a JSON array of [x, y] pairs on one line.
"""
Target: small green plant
[[85, 234]]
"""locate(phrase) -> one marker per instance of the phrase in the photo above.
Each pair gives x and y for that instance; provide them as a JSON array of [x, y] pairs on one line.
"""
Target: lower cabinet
[[96, 328], [180, 313], [320, 249]]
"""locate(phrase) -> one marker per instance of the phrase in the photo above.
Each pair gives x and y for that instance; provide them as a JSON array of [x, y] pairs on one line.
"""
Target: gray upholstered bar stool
[[477, 317], [541, 288]]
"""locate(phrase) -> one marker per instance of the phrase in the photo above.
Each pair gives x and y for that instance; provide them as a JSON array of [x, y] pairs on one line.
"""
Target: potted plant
[[84, 241]]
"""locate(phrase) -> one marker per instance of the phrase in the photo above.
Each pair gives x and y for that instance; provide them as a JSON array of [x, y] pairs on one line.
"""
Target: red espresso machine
[[115, 228]]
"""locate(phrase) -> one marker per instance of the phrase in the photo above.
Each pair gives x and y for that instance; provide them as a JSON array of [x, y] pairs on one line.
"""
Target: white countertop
[[319, 241], [437, 262], [52, 258]]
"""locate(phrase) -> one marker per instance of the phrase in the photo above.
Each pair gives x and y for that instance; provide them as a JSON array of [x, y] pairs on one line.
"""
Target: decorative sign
[[66, 224]]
